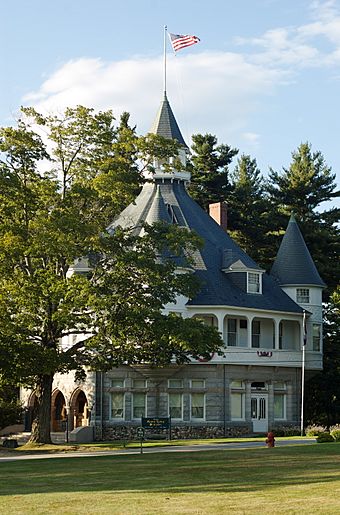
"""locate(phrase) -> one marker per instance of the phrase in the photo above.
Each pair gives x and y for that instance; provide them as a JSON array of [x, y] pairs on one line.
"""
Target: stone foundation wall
[[121, 432]]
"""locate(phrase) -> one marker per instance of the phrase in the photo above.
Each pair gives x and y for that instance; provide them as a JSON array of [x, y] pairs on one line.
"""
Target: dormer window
[[254, 282]]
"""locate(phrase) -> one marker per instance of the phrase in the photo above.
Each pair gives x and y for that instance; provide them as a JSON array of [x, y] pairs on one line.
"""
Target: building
[[256, 385]]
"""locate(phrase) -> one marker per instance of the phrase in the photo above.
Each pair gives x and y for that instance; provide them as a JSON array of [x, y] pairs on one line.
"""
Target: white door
[[259, 412]]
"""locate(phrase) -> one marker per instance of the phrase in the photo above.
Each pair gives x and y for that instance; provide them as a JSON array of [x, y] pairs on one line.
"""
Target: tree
[[248, 217], [48, 221], [209, 169], [323, 390], [302, 188]]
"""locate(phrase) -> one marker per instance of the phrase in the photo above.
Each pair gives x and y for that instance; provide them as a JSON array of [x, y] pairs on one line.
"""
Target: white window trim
[[110, 405], [238, 330], [169, 415], [259, 275], [175, 387], [132, 405], [197, 387], [284, 395], [204, 404], [243, 396], [301, 295]]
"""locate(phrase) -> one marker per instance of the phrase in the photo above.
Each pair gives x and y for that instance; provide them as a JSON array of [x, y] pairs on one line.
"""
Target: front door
[[259, 412]]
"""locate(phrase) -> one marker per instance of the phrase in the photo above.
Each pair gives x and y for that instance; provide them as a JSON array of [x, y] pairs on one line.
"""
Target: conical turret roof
[[294, 264], [165, 123]]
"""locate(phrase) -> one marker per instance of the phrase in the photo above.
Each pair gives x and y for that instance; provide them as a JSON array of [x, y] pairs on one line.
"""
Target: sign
[[156, 422], [140, 432]]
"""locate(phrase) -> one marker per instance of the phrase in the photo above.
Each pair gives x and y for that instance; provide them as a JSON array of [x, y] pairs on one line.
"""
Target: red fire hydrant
[[270, 441]]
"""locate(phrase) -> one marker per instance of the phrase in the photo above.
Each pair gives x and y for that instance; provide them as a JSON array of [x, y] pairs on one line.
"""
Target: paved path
[[148, 450]]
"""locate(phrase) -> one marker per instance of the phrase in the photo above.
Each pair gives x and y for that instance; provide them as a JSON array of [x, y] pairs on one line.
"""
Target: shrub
[[315, 430], [287, 431], [335, 432], [324, 438]]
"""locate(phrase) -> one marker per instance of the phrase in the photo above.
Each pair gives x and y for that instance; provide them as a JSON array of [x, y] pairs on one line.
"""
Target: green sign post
[[141, 434]]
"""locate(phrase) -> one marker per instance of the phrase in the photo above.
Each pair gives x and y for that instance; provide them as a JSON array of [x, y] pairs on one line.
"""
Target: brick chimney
[[219, 212]]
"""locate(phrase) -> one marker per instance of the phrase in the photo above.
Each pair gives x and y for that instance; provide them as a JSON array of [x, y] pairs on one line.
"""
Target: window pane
[[302, 295], [139, 403], [175, 405], [117, 405], [237, 405], [117, 383], [316, 337], [279, 385], [232, 332], [197, 405], [255, 337], [253, 283], [279, 406], [175, 383], [237, 384], [197, 383], [139, 383]]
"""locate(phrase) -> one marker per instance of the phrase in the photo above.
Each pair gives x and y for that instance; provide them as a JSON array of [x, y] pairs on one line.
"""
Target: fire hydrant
[[270, 441]]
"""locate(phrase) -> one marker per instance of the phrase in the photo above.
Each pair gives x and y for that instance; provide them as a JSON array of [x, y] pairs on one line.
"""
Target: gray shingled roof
[[154, 203], [294, 264], [165, 123]]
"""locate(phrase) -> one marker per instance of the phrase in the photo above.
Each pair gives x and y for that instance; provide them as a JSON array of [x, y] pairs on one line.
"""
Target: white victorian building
[[256, 385]]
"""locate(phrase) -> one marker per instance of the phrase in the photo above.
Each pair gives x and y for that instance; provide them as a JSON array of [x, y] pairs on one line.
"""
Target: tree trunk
[[41, 426]]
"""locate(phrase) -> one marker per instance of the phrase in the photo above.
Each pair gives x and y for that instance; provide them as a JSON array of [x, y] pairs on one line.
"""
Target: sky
[[264, 78]]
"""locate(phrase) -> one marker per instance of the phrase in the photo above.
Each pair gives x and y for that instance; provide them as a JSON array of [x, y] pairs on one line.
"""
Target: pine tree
[[302, 189], [248, 209], [209, 170]]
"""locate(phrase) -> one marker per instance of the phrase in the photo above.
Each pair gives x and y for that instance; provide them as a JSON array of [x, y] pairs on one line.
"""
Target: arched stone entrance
[[58, 412], [79, 409]]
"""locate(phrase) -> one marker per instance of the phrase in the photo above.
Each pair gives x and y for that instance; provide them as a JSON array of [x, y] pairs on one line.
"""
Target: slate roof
[[294, 264], [154, 203], [167, 199], [165, 123]]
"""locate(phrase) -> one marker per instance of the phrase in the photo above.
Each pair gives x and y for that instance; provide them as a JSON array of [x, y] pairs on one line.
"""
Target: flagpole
[[165, 33], [303, 371]]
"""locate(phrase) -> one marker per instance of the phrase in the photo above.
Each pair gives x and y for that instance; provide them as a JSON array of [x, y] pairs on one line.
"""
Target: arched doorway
[[79, 409], [59, 412]]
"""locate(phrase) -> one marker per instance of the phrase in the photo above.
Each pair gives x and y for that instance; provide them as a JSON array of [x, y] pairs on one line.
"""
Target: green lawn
[[297, 479]]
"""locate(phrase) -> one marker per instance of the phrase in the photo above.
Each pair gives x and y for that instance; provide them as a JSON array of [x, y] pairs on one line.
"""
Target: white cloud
[[216, 91]]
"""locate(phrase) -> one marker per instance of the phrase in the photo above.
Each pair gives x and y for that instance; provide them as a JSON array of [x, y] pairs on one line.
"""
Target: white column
[[277, 333], [249, 323]]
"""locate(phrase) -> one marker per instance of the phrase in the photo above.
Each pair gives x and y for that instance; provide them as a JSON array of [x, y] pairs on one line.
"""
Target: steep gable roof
[[294, 264], [165, 123]]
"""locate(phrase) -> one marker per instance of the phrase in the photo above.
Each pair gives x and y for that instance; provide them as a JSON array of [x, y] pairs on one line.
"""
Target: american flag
[[178, 41]]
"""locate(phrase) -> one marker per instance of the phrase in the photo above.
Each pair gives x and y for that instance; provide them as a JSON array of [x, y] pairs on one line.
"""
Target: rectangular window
[[117, 383], [255, 333], [279, 406], [254, 282], [139, 383], [175, 405], [237, 406], [232, 332], [316, 337], [117, 405], [302, 295], [197, 405], [197, 383], [279, 385], [175, 383], [237, 383], [139, 405]]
